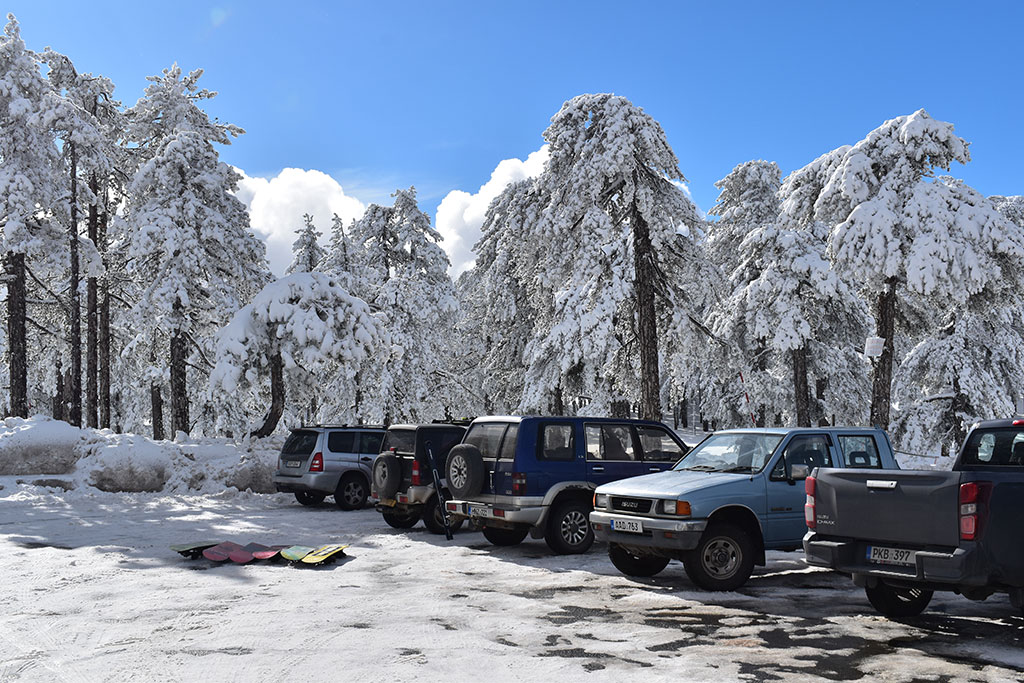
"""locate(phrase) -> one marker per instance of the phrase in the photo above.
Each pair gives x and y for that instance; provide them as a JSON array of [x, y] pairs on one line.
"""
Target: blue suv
[[516, 476]]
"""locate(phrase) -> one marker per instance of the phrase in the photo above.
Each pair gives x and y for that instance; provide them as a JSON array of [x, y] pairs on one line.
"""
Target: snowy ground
[[92, 592]]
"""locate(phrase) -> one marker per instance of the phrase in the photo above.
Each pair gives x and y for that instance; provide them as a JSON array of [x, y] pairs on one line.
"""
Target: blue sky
[[382, 95]]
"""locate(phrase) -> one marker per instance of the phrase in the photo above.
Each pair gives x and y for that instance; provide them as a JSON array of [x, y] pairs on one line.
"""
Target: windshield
[[744, 453]]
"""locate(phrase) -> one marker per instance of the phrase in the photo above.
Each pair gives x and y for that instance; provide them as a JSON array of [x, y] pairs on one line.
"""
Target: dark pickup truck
[[904, 534]]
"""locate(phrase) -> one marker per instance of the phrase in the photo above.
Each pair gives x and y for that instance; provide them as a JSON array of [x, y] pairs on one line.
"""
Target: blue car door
[[612, 452], [659, 448], [785, 525]]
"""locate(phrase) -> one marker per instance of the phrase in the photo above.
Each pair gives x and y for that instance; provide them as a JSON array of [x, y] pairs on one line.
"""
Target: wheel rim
[[458, 472], [353, 493], [721, 558], [382, 474], [574, 527]]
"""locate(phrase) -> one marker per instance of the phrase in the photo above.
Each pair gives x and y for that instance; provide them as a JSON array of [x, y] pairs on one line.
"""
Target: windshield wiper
[[738, 468], [700, 468]]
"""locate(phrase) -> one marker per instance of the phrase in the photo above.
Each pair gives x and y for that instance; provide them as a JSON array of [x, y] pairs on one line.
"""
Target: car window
[[401, 440], [658, 445], [859, 450], [809, 449], [487, 437], [300, 442], [369, 442], [441, 441], [610, 442], [341, 442], [1002, 446], [508, 446], [740, 452], [557, 442]]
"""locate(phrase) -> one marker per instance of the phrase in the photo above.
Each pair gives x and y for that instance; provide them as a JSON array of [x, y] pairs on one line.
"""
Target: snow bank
[[38, 445], [101, 459]]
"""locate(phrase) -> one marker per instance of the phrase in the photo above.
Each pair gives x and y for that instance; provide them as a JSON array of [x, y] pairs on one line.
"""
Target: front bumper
[[495, 512], [961, 566], [308, 482], [670, 535]]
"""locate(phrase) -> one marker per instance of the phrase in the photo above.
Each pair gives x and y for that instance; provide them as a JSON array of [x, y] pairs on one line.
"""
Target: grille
[[639, 505]]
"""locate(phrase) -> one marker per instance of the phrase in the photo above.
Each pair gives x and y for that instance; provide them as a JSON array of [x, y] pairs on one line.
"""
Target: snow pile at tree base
[[38, 445], [101, 459]]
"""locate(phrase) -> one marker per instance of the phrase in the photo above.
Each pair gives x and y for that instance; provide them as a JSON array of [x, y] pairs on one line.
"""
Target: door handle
[[654, 469], [366, 459], [598, 468]]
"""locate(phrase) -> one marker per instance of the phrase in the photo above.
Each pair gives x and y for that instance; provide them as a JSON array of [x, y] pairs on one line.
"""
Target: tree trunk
[[800, 389], [647, 333], [179, 388], [74, 305], [16, 317], [276, 397], [881, 380], [58, 396], [558, 406], [91, 319], [103, 335], [157, 402]]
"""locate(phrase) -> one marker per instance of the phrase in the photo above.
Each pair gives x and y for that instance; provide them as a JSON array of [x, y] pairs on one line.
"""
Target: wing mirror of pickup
[[799, 472]]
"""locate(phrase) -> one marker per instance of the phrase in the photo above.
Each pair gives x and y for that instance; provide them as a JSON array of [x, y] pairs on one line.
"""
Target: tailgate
[[910, 508]]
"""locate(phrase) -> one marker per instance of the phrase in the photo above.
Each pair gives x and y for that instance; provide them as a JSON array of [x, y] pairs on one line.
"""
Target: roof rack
[[461, 421], [327, 425]]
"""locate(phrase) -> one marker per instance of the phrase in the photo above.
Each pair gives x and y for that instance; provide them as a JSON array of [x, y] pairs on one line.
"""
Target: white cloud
[[460, 215], [276, 206]]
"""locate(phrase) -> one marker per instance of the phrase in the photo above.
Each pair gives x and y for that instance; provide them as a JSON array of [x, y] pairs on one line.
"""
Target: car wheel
[[387, 475], [433, 520], [568, 529], [635, 565], [897, 602], [723, 560], [400, 521], [465, 471], [501, 536], [309, 499], [351, 492]]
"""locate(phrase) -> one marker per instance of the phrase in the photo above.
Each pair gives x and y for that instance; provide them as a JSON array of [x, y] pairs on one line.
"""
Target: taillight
[[969, 510], [415, 473], [810, 486], [1018, 423], [317, 463], [518, 484]]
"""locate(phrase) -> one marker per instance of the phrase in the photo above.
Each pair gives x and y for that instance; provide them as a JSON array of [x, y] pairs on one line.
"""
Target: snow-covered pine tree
[[189, 236], [878, 197], [969, 363], [407, 280], [307, 249], [617, 242], [30, 179], [296, 332]]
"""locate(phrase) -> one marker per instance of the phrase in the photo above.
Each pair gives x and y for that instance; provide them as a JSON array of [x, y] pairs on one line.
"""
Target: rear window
[[487, 437], [441, 441], [508, 446], [860, 451], [1003, 447], [300, 442], [341, 442], [402, 440]]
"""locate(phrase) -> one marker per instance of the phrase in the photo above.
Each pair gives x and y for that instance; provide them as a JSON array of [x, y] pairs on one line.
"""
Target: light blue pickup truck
[[735, 495]]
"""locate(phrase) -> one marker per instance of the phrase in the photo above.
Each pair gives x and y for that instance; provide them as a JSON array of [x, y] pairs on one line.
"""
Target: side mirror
[[799, 472]]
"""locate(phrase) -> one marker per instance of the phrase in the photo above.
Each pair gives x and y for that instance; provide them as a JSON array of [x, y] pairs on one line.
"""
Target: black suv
[[402, 478]]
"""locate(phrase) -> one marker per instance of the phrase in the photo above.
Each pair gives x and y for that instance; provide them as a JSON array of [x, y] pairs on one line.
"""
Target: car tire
[[897, 602], [635, 565], [723, 560], [387, 475], [351, 492], [432, 518], [505, 537], [400, 521], [465, 471], [309, 499], [568, 530]]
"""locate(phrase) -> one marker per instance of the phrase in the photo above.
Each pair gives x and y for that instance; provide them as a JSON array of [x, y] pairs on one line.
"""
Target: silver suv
[[326, 460]]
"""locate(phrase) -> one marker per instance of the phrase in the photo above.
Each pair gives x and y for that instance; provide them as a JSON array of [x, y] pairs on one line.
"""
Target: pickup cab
[[735, 495], [903, 535], [515, 476]]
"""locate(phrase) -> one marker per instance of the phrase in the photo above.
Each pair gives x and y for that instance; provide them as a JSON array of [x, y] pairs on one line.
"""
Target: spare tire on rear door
[[387, 475], [465, 471]]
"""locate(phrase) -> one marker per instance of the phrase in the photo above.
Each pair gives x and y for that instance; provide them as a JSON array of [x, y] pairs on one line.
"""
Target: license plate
[[293, 463], [477, 512], [632, 526], [883, 555]]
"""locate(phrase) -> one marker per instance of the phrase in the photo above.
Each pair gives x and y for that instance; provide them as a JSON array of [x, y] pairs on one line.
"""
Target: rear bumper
[[669, 535], [958, 567], [495, 512], [309, 482], [412, 499]]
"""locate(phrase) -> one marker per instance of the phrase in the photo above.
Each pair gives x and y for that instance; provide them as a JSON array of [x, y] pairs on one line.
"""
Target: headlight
[[601, 501], [680, 508]]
